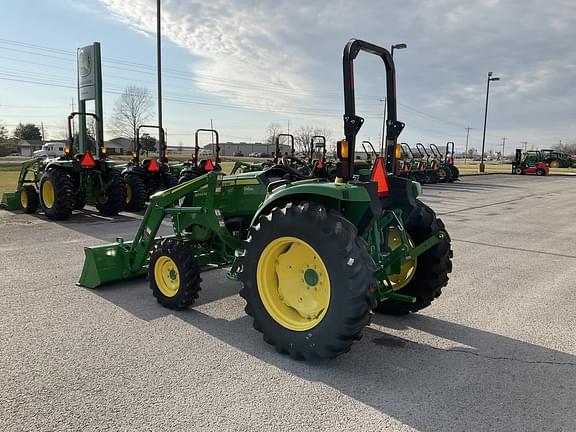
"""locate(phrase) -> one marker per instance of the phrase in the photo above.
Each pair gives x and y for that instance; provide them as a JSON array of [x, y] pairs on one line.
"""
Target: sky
[[244, 64]]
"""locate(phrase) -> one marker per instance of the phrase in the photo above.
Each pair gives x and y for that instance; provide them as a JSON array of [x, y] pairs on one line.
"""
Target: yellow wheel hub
[[167, 276], [128, 194], [102, 198], [23, 198], [293, 283], [408, 268], [48, 194]]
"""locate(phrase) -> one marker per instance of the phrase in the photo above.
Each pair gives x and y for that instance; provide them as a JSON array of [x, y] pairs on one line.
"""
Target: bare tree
[[132, 109], [272, 132], [565, 148], [303, 137]]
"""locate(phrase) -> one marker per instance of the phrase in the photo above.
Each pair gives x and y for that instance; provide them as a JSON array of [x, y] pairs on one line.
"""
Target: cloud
[[286, 55]]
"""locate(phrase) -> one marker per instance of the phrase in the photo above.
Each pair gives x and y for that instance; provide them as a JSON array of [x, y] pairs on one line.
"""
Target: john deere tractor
[[147, 176], [315, 257], [68, 182], [195, 167]]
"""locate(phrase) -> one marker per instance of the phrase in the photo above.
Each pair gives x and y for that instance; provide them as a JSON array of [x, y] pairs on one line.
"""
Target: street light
[[490, 78], [392, 48]]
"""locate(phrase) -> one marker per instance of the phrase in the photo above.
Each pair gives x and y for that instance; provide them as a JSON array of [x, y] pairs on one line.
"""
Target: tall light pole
[[161, 136], [490, 78], [392, 48]]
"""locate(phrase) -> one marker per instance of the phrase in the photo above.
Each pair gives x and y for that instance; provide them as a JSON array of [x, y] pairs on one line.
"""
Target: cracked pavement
[[496, 352]]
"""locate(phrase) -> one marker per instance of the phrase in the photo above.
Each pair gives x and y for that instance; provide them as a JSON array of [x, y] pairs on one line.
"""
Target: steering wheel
[[298, 165]]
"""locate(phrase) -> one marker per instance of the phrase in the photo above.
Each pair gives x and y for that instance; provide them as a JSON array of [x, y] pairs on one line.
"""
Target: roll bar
[[352, 122], [423, 151], [278, 145], [406, 148], [161, 143], [449, 155], [99, 139], [435, 151], [322, 138], [214, 133]]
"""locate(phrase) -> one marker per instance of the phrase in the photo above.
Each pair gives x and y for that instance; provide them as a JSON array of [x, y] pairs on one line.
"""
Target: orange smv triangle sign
[[380, 177]]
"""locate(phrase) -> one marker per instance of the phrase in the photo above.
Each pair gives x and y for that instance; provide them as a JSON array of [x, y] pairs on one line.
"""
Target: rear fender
[[350, 200]]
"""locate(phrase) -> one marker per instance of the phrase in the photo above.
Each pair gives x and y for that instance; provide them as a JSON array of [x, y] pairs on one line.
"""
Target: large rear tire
[[432, 267], [56, 194], [455, 173], [307, 281], [113, 200], [135, 193]]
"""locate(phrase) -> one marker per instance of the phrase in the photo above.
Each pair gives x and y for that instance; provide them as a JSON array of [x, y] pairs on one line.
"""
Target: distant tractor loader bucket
[[10, 201]]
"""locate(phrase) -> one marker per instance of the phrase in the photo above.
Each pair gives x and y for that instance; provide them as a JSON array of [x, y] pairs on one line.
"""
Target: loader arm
[[127, 260]]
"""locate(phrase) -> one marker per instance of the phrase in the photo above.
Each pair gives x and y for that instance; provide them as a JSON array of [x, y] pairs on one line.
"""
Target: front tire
[[432, 267], [540, 172], [56, 194], [29, 199], [173, 274], [307, 281]]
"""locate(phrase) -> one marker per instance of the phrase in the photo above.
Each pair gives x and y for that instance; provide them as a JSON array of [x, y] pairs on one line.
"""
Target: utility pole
[[503, 144], [43, 136], [466, 151]]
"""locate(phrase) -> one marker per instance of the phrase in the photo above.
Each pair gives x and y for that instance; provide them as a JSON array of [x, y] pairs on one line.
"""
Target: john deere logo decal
[[84, 63]]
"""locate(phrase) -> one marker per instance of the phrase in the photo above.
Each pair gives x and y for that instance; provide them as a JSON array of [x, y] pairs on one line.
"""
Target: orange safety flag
[[380, 177], [87, 160]]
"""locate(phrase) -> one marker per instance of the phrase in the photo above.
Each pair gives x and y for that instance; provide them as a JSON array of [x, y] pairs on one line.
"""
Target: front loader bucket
[[10, 201], [107, 263]]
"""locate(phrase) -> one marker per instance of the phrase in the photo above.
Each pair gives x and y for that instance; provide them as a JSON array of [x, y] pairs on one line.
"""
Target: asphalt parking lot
[[496, 352]]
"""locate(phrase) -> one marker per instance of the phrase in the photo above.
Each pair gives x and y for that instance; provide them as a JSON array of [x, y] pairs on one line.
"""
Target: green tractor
[[315, 257], [197, 167], [66, 183], [148, 176], [444, 169], [431, 175], [449, 159], [556, 159]]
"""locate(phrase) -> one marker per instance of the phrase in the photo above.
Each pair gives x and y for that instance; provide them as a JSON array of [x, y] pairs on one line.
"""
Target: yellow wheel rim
[[102, 198], [48, 194], [293, 283], [555, 164], [408, 268], [128, 194], [167, 276], [23, 198]]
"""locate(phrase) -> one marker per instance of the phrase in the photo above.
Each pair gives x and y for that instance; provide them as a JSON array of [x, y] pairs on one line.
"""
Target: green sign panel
[[86, 73]]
